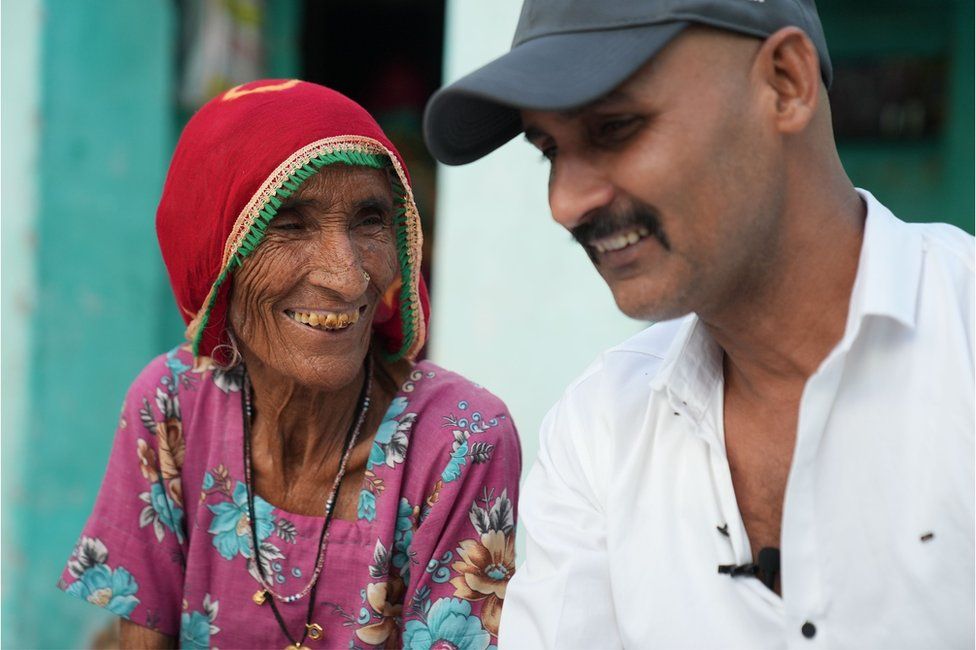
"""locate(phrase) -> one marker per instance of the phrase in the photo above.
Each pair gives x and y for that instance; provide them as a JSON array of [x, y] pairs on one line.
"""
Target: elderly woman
[[290, 477]]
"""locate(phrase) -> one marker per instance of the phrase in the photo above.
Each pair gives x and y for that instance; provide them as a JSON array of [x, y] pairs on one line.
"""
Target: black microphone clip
[[766, 567], [736, 570]]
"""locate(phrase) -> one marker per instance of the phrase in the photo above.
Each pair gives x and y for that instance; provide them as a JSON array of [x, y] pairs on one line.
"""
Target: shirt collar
[[691, 370], [888, 270], [886, 285]]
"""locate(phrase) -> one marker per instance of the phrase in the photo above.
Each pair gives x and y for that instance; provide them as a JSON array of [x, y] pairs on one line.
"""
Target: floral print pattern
[[424, 564], [113, 589], [487, 562], [447, 625], [231, 524], [197, 627]]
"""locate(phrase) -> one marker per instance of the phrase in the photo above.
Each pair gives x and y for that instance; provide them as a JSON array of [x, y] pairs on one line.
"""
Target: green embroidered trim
[[268, 212], [407, 316]]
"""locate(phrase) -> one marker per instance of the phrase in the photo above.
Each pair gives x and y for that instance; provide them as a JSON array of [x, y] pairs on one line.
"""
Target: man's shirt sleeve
[[560, 597]]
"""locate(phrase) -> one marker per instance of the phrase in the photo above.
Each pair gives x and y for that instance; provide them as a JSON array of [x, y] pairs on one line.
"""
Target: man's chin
[[651, 310]]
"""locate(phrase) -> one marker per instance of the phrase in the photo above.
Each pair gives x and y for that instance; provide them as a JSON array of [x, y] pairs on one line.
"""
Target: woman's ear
[[788, 64]]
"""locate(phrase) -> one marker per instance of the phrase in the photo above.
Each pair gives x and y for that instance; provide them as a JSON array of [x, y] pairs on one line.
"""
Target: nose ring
[[366, 276]]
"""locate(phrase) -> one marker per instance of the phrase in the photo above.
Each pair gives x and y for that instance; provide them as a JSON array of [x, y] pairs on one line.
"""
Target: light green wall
[[517, 306], [19, 96], [105, 137]]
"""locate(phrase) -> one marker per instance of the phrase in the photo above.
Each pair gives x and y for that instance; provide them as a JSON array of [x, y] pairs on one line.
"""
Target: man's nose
[[577, 187], [337, 267]]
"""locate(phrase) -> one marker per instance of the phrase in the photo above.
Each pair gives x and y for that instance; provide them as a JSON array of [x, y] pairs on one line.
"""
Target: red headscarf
[[237, 158]]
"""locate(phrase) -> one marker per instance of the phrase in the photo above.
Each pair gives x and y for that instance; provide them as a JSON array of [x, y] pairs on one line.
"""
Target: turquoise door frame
[[105, 136]]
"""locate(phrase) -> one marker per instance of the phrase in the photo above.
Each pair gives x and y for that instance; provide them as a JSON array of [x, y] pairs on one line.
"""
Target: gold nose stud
[[366, 276]]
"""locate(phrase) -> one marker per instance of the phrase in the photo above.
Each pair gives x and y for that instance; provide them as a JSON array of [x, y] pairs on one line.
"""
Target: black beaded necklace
[[311, 630]]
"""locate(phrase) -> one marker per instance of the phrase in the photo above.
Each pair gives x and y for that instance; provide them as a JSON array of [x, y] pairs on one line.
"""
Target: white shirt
[[623, 506]]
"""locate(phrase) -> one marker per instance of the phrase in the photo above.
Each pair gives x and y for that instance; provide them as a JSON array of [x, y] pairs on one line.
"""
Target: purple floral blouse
[[424, 565]]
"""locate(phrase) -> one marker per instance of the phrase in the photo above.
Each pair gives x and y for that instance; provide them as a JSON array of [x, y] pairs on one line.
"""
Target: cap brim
[[480, 112]]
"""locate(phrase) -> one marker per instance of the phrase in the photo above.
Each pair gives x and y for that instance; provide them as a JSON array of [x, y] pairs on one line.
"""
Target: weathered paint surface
[[21, 28], [104, 140]]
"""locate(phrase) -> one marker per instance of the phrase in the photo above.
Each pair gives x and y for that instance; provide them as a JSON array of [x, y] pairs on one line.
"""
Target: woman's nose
[[337, 267], [576, 188]]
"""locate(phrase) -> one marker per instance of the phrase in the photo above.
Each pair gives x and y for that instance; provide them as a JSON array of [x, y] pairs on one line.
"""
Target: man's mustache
[[605, 222]]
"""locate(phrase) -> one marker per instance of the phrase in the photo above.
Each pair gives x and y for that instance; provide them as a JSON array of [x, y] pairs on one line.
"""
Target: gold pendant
[[297, 647], [259, 596], [314, 631]]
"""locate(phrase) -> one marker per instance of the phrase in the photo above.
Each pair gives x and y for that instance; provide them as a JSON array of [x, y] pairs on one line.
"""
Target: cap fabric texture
[[567, 53], [243, 153]]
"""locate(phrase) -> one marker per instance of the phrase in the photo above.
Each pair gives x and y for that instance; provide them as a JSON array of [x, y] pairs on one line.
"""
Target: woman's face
[[301, 306]]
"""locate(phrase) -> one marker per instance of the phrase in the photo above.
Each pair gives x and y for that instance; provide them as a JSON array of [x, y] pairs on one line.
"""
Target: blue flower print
[[390, 443], [377, 455], [366, 508], [194, 630], [166, 510], [232, 535], [453, 469], [449, 625], [176, 369], [113, 590], [197, 628], [388, 426], [402, 538]]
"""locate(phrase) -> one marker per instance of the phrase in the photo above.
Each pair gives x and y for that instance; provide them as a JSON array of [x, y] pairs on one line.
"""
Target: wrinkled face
[[301, 305], [671, 181]]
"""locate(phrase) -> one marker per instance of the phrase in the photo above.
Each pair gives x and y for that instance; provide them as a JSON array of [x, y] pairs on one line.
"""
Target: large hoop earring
[[233, 351]]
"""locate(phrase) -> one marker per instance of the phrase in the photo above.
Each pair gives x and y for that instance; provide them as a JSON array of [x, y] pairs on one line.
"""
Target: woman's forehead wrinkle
[[340, 192]]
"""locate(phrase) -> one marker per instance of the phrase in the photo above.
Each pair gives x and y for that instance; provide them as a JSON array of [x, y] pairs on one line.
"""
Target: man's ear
[[789, 65]]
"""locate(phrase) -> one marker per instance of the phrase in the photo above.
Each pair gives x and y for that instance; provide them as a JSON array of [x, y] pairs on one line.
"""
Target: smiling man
[[785, 459]]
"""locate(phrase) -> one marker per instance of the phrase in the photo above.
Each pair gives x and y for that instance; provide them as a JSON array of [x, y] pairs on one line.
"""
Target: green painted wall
[[105, 137], [20, 78], [930, 179], [89, 124]]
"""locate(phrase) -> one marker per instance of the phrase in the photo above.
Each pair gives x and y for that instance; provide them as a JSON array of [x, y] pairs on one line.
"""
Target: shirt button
[[809, 630]]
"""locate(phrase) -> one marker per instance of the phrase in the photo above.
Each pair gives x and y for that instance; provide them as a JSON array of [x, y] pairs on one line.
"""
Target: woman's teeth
[[330, 320], [623, 240]]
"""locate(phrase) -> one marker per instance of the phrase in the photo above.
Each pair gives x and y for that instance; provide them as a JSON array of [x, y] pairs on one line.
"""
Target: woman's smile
[[326, 320]]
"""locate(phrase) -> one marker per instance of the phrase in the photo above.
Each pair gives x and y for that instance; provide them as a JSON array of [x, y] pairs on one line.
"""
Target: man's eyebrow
[[615, 96]]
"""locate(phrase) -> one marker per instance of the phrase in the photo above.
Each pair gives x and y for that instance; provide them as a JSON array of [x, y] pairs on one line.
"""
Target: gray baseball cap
[[567, 53]]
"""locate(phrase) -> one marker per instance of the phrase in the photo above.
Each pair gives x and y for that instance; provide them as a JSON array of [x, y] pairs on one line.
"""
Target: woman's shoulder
[[456, 419], [445, 400], [435, 386], [177, 373]]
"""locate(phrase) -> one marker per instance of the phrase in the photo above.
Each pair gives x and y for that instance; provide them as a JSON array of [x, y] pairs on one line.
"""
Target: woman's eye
[[372, 219], [286, 223]]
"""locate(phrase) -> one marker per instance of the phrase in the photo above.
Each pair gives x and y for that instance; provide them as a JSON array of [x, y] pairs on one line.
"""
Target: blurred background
[[94, 93]]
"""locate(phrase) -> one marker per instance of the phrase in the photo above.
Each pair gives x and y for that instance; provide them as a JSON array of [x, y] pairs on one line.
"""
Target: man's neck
[[777, 334]]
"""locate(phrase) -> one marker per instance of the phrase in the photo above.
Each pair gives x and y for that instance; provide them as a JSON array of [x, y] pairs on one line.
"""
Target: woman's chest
[[221, 603]]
